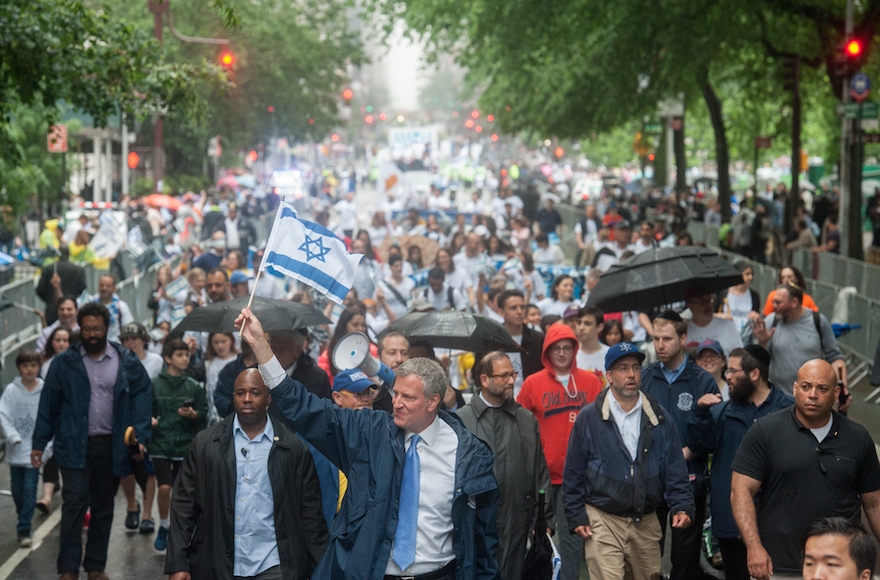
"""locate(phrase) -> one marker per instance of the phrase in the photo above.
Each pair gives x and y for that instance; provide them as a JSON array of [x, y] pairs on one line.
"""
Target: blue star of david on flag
[[319, 250], [310, 253]]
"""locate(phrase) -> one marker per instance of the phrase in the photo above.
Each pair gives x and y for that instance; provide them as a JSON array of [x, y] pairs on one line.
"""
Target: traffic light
[[369, 119], [347, 96], [559, 152], [227, 59], [850, 57], [133, 160]]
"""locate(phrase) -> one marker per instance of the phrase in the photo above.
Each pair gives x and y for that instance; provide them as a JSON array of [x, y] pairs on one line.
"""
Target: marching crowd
[[267, 461]]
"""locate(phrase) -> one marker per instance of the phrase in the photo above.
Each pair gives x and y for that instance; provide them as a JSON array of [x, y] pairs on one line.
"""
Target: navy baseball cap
[[712, 345], [353, 381], [238, 277], [620, 350]]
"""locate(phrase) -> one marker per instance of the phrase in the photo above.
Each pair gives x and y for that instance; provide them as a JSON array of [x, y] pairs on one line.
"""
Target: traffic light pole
[[844, 148]]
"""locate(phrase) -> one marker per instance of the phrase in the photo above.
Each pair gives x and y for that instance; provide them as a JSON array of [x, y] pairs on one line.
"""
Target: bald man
[[247, 458], [809, 462]]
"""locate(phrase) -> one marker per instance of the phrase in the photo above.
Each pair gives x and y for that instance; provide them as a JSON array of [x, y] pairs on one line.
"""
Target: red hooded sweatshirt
[[554, 405]]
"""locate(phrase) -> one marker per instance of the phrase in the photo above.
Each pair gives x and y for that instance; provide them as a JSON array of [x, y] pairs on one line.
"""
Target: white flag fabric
[[310, 253], [135, 242], [110, 237]]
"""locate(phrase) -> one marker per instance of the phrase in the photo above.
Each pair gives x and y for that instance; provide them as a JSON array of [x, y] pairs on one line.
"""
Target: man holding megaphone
[[422, 498]]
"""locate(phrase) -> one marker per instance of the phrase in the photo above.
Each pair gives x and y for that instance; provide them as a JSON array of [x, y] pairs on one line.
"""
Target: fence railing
[[826, 275]]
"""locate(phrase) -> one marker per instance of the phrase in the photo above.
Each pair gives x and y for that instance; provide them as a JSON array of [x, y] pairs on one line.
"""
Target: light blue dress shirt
[[672, 374], [256, 547]]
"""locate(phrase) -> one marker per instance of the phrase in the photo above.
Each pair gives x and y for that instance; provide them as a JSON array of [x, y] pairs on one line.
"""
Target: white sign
[[673, 107]]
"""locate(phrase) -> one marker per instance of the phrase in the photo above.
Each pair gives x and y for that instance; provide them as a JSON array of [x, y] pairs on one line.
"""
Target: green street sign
[[653, 128], [870, 110]]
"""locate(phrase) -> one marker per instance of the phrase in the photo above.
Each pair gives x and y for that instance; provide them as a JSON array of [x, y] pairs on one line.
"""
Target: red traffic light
[[475, 114], [494, 137], [334, 137], [490, 118], [369, 119], [469, 124], [227, 59], [559, 152], [133, 160], [348, 94], [853, 48], [252, 156]]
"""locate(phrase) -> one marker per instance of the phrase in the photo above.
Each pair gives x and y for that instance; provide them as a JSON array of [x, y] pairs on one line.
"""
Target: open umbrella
[[162, 200], [662, 276], [247, 181], [453, 329], [274, 315]]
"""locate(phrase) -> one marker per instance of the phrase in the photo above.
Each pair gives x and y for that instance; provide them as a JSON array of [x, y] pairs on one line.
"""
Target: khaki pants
[[621, 548]]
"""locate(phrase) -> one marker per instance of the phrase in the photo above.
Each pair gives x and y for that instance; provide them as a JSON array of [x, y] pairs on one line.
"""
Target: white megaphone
[[353, 352]]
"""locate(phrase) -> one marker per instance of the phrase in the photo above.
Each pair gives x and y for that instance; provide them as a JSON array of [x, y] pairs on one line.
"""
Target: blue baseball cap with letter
[[353, 381], [620, 350]]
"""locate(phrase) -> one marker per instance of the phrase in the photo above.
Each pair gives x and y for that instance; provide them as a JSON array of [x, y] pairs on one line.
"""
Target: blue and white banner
[[309, 253]]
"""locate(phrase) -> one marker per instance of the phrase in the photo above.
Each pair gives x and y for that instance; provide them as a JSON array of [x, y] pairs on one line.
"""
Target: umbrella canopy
[[162, 200], [228, 180], [453, 329], [275, 315], [662, 276]]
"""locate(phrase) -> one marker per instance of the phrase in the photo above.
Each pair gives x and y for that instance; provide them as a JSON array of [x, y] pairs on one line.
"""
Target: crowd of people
[[267, 461]]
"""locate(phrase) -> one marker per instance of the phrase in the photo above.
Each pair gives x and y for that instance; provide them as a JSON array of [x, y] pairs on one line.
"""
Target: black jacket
[[73, 283], [201, 539]]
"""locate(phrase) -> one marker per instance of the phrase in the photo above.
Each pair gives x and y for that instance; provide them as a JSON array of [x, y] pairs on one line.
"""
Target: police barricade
[[17, 303]]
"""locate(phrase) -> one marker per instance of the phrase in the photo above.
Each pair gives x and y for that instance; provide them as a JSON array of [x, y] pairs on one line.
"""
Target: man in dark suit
[[277, 528], [527, 360]]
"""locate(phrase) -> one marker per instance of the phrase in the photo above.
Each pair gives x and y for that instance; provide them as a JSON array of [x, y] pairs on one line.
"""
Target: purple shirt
[[102, 380]]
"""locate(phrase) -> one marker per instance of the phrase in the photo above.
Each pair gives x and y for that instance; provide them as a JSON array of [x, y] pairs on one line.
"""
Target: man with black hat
[[719, 427], [624, 460]]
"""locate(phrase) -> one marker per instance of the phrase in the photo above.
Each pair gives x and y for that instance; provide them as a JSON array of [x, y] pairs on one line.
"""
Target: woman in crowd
[[58, 342], [378, 229], [561, 296], [791, 275], [220, 352], [454, 278], [233, 261], [414, 257], [158, 301], [710, 358], [369, 251], [739, 303], [351, 320]]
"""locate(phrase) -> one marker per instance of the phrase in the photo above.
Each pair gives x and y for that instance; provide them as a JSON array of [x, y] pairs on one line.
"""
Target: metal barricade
[[18, 301]]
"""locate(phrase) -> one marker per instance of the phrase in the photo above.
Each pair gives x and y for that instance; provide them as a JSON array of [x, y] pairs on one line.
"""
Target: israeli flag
[[310, 253]]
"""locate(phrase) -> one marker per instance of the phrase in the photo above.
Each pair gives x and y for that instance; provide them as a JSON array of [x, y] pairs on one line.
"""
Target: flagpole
[[254, 290]]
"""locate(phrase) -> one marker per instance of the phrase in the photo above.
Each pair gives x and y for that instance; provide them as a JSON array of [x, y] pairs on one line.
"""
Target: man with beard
[[94, 391], [718, 427], [520, 467]]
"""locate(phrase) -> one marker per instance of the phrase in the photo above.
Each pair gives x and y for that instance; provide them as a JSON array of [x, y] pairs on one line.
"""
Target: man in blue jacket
[[677, 383], [624, 460], [422, 498], [94, 391], [718, 427]]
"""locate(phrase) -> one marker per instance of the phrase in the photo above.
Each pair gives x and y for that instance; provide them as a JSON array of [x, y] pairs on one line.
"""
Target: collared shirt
[[102, 374], [487, 403], [437, 449], [256, 547], [233, 241], [628, 423], [672, 374]]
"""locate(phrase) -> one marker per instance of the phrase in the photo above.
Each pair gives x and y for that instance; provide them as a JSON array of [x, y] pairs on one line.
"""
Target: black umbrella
[[662, 276], [274, 315], [453, 329]]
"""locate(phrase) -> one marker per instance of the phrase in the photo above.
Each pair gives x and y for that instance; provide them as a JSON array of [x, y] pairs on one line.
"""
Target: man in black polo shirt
[[809, 462]]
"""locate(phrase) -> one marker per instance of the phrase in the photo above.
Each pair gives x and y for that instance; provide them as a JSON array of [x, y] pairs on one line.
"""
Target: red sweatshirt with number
[[554, 405]]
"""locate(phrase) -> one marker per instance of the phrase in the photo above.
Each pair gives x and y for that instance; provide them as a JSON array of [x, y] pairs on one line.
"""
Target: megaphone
[[353, 352]]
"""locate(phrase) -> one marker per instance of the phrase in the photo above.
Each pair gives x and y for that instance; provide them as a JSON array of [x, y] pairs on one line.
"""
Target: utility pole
[[793, 77], [158, 8]]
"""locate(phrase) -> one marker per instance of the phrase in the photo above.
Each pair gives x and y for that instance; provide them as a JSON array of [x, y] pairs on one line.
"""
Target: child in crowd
[[18, 416], [180, 410]]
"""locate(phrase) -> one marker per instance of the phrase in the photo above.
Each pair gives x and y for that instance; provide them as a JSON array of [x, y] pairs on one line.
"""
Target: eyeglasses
[[709, 357], [732, 371], [506, 376], [561, 349], [625, 369], [93, 329]]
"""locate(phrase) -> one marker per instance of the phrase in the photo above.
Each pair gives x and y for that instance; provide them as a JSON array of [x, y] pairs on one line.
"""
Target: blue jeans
[[24, 493]]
